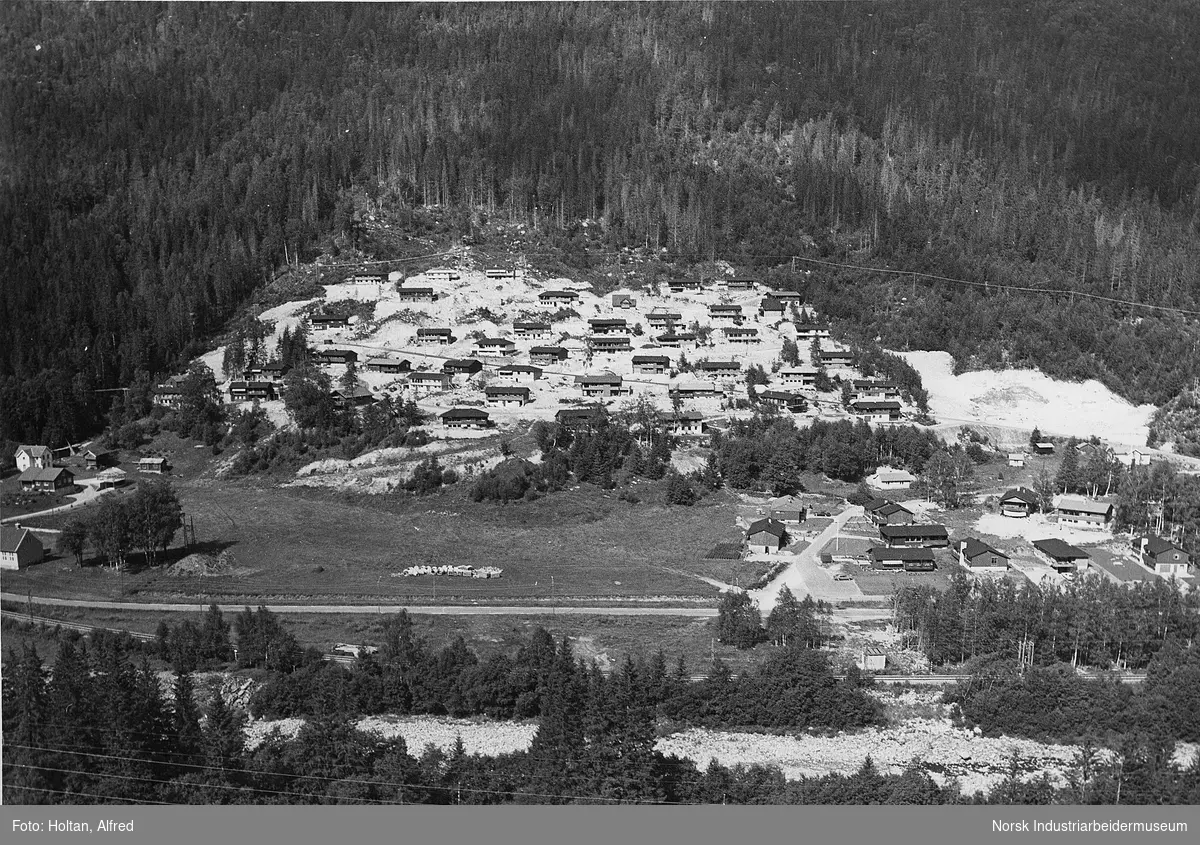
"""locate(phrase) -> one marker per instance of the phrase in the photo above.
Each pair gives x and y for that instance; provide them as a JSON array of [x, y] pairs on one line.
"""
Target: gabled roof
[[600, 378], [503, 390], [47, 474], [718, 365], [433, 331], [875, 504], [494, 341], [556, 351], [12, 538], [524, 324], [1155, 545], [974, 548], [1080, 504], [558, 294], [895, 475], [912, 532], [652, 359], [465, 414], [388, 362], [889, 508], [876, 405], [770, 303], [770, 526], [33, 451], [427, 375], [1020, 494], [520, 368], [1060, 550], [778, 396], [904, 555], [607, 321]]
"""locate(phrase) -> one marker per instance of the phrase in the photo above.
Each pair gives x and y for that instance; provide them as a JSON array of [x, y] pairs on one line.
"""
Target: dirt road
[[805, 577]]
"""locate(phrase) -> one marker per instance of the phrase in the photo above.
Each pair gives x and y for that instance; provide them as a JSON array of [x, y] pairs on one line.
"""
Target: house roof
[[724, 309], [328, 318], [426, 375], [974, 548], [897, 475], [387, 362], [607, 321], [787, 503], [778, 396], [1060, 550], [11, 538], [558, 294], [686, 416], [905, 555], [1020, 494], [47, 474], [1155, 545], [502, 390], [912, 532], [556, 351], [494, 341], [433, 331], [876, 404], [33, 451], [770, 303], [805, 370], [465, 414], [414, 290], [652, 359], [737, 331], [1079, 504], [462, 364], [875, 504], [522, 324], [521, 368], [889, 508], [112, 474], [152, 460], [718, 365], [600, 378], [769, 526]]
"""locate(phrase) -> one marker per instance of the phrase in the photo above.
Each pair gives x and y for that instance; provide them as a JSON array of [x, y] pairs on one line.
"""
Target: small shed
[[873, 659]]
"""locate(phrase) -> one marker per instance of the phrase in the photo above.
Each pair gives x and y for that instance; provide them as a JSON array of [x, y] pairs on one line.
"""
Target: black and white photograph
[[695, 404]]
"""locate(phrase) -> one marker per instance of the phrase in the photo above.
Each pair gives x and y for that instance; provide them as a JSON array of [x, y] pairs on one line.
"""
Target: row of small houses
[[39, 475], [1079, 511], [683, 424]]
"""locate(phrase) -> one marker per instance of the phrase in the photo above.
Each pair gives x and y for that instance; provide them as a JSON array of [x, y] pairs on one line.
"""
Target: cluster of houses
[[39, 474]]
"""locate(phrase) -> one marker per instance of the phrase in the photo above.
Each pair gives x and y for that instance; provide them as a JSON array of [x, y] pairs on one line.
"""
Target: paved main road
[[794, 576], [848, 613]]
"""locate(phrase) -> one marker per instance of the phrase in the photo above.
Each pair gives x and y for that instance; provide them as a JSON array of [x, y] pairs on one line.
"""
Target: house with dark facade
[[721, 370], [507, 396], [466, 418], [609, 344], [1062, 555], [608, 325], [733, 334], [1162, 557], [903, 558], [784, 401], [651, 365], [462, 367], [601, 385], [766, 536], [245, 391], [547, 356], [405, 294], [439, 336], [388, 365], [977, 556], [913, 536], [47, 480], [19, 547], [662, 319], [1018, 502], [328, 355], [887, 512], [328, 321]]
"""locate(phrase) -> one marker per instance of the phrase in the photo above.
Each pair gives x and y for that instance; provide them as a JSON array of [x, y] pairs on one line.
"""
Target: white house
[[33, 457], [19, 547]]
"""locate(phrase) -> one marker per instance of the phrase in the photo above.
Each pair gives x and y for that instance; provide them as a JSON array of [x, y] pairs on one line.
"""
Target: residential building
[[354, 397], [558, 297], [608, 325], [1082, 511], [837, 357], [694, 389], [623, 300], [784, 400], [1061, 555], [925, 536], [662, 319], [19, 547], [770, 308], [609, 344], [465, 418], [334, 356], [366, 279], [531, 330], [442, 274], [416, 294], [34, 457], [428, 381], [1045, 447], [685, 424], [243, 391], [601, 385], [790, 510], [907, 559], [876, 410], [578, 419], [681, 285], [169, 394], [1162, 557], [156, 466], [1019, 502], [978, 556], [802, 376], [787, 297], [495, 347], [726, 313], [893, 479], [272, 372], [722, 370], [389, 365], [741, 284], [462, 367], [437, 336], [765, 536], [328, 321], [499, 273], [97, 460], [520, 373], [887, 512], [506, 396], [873, 389], [651, 365], [733, 334], [1016, 459], [810, 333], [675, 339], [48, 480], [547, 356]]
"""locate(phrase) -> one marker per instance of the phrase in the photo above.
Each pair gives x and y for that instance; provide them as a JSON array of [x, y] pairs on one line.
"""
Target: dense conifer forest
[[162, 162]]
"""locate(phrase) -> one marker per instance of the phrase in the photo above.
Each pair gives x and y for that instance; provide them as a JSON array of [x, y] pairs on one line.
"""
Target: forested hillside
[[161, 162]]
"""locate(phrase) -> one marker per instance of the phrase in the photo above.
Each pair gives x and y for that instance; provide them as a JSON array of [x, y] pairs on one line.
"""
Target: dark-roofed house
[[784, 400], [334, 356], [558, 297], [740, 284], [272, 372], [675, 339], [804, 376], [462, 367], [837, 357], [770, 307], [766, 536], [908, 559], [872, 389], [876, 410], [608, 325], [97, 460], [48, 480], [788, 296], [524, 328], [610, 343], [366, 279], [1082, 511], [1061, 555], [660, 318], [733, 334], [354, 397], [19, 547], [415, 294], [886, 512], [33, 457], [685, 424], [720, 369], [726, 313], [442, 274], [577, 419], [328, 321], [927, 536], [1162, 557], [650, 365], [694, 389], [788, 510], [601, 385], [495, 347], [466, 418], [623, 300], [1019, 502], [440, 336], [978, 556], [504, 396], [520, 373], [547, 356], [500, 273], [428, 381], [153, 465], [388, 365], [243, 391], [1044, 447], [169, 394], [680, 285]]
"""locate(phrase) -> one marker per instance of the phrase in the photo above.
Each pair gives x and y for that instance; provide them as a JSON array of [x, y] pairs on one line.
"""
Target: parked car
[[826, 559], [842, 576]]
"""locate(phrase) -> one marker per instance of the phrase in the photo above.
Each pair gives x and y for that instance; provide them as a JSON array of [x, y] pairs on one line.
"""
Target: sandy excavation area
[[1027, 398]]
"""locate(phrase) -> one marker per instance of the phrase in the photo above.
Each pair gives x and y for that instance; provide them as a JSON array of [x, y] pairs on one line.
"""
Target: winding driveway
[[804, 567]]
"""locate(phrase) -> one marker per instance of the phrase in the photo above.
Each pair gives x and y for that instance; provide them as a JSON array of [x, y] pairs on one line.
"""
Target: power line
[[104, 798]]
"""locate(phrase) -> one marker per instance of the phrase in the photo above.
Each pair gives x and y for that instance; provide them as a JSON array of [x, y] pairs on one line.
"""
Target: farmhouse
[[1062, 556], [788, 510], [423, 381], [766, 536], [908, 559], [1016, 459], [242, 391], [576, 419], [730, 313], [528, 329], [609, 344], [837, 357], [781, 399], [925, 536], [328, 321], [608, 325], [273, 372], [356, 396], [877, 410], [694, 389], [1162, 557], [651, 365], [95, 460], [416, 294], [495, 347], [601, 385], [521, 373], [558, 297], [771, 308], [739, 335], [978, 556], [462, 367], [48, 480], [686, 424], [1082, 511], [33, 457], [19, 547], [154, 465], [438, 336], [388, 365], [504, 396], [334, 356], [662, 319], [547, 355], [887, 512], [894, 479], [111, 478], [803, 376], [465, 418], [720, 369], [441, 274], [623, 300], [1019, 502]]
